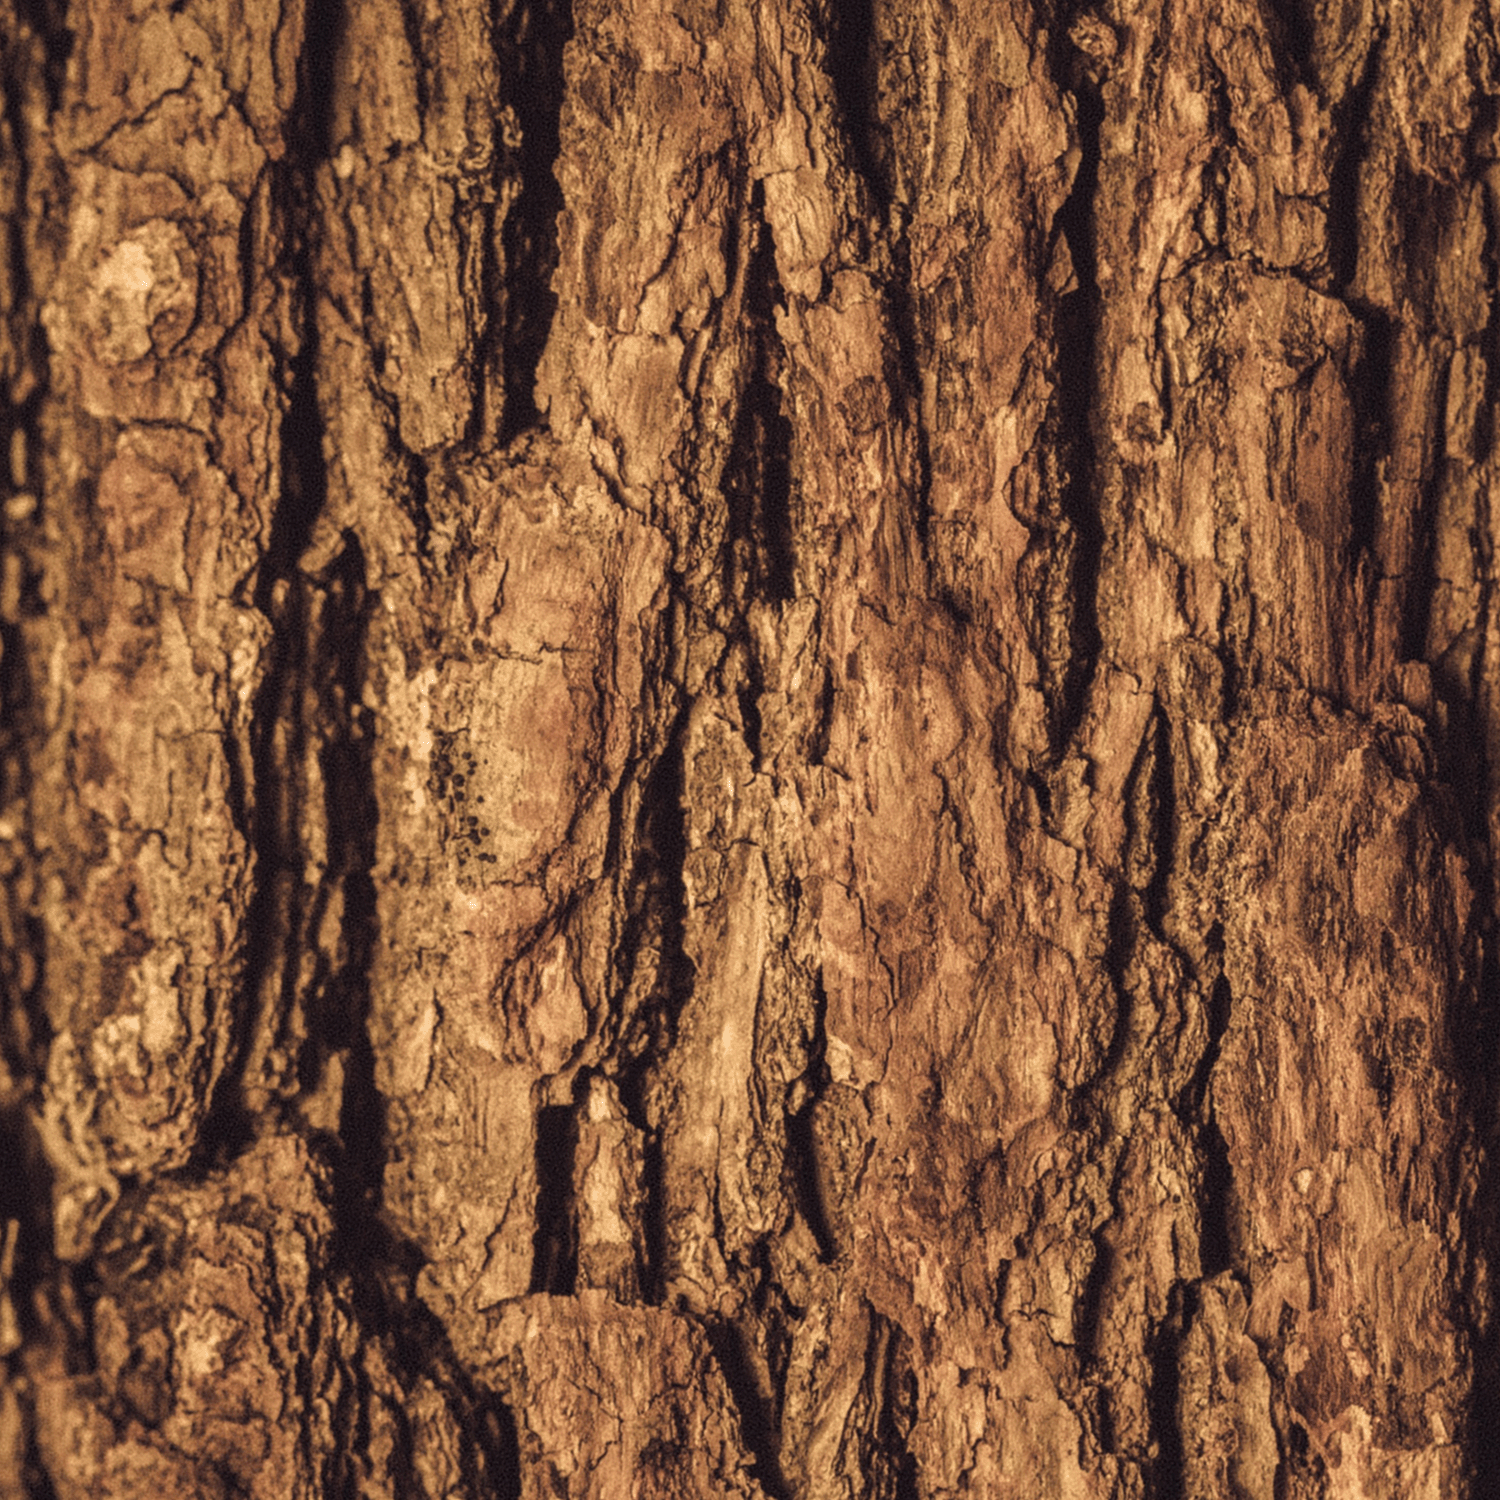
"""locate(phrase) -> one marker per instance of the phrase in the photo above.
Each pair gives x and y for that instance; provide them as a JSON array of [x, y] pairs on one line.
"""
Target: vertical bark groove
[[530, 40], [1079, 516]]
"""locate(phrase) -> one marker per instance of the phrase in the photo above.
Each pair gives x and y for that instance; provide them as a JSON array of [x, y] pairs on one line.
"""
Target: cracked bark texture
[[749, 750]]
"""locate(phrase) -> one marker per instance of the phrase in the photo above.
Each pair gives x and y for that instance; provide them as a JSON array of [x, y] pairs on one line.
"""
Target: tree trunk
[[749, 750]]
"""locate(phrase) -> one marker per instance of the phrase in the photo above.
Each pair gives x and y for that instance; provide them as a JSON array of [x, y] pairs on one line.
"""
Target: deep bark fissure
[[1466, 746], [1481, 1437], [1077, 325], [278, 725], [17, 59], [1462, 762], [1372, 393], [419, 1347], [896, 1396], [351, 812], [25, 1032], [489, 338], [411, 25], [555, 1252], [659, 919], [853, 60], [756, 1409], [1485, 420], [802, 1146], [1156, 899], [1167, 1478], [274, 919], [1122, 931], [530, 52], [48, 20], [1215, 1243], [757, 479], [419, 498], [1416, 618], [1291, 18], [36, 1482], [1352, 124], [1088, 1312], [904, 323]]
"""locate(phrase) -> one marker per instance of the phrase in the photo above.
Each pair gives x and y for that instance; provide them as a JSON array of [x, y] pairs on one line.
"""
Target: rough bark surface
[[749, 750]]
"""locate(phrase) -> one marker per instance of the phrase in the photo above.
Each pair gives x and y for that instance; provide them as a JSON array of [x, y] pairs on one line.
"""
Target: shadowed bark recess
[[748, 751]]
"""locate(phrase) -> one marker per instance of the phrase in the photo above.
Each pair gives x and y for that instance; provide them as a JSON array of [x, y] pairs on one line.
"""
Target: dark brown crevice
[[1215, 1238], [1151, 823], [748, 697], [26, 1197], [1464, 764], [801, 1142], [893, 1465], [529, 46], [1416, 614], [338, 1006], [1371, 382], [910, 346], [1166, 1477], [656, 922], [486, 412], [1480, 1438], [1194, 1108], [278, 725], [757, 479], [21, 61], [29, 66], [853, 61], [25, 1029], [1352, 123], [1473, 1042], [1122, 933], [419, 501], [1089, 1314], [1292, 27], [376, 1266], [1156, 899], [1485, 425], [554, 1266], [411, 26], [418, 1348], [1077, 334], [48, 20], [36, 1482], [480, 229], [759, 1428], [275, 916]]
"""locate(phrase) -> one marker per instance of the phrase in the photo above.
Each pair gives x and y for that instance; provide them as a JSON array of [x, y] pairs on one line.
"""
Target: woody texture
[[749, 749]]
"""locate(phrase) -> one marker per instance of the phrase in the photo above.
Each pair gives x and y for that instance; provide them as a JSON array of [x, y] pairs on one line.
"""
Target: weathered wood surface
[[749, 750]]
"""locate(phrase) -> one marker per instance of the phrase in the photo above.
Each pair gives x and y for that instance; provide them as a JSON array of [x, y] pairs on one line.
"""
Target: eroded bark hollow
[[748, 750]]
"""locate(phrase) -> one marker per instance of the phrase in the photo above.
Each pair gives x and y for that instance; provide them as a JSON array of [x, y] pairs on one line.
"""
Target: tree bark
[[749, 750]]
